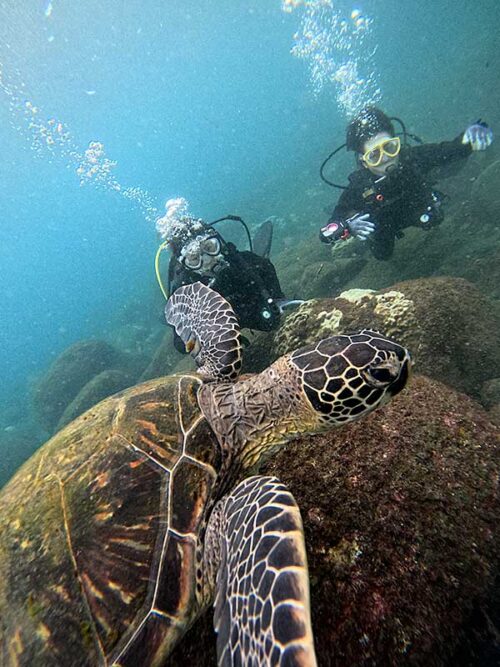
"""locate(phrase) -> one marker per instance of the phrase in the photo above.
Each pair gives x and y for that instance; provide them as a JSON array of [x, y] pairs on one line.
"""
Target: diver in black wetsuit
[[247, 280], [393, 188]]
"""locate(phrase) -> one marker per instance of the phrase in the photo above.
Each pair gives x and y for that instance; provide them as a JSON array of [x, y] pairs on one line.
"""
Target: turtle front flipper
[[207, 325], [262, 614]]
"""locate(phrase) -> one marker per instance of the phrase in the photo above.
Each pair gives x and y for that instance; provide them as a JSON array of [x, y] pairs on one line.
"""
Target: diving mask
[[202, 253], [390, 147]]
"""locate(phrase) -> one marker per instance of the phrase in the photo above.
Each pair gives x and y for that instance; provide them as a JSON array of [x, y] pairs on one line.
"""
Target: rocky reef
[[68, 374], [465, 245], [164, 358], [61, 394], [402, 517], [450, 327], [99, 387]]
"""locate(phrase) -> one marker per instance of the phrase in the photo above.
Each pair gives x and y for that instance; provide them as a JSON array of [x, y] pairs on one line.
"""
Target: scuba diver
[[393, 187], [246, 278]]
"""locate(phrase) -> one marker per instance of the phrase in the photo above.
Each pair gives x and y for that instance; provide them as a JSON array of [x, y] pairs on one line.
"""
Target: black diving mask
[[201, 251]]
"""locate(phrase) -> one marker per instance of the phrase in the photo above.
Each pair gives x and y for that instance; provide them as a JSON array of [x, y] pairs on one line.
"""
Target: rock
[[490, 393], [494, 413], [164, 359], [323, 279], [291, 265], [402, 522], [68, 374], [485, 190], [448, 325], [102, 385]]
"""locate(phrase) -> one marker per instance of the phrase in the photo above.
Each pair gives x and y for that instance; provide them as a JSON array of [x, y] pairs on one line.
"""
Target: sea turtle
[[124, 527]]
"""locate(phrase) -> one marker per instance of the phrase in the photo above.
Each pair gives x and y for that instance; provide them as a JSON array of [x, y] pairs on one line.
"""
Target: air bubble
[[49, 138], [338, 53]]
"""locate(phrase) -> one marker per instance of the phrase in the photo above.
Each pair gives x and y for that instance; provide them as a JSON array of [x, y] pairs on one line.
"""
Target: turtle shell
[[99, 532]]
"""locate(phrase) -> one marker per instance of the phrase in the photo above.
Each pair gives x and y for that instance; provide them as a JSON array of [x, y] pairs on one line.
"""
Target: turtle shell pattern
[[99, 531]]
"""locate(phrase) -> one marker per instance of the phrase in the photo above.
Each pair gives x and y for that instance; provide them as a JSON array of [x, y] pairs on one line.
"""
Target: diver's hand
[[360, 226], [479, 136]]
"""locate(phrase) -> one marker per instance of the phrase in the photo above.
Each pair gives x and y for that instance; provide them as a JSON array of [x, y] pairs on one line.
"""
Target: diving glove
[[479, 136], [360, 226]]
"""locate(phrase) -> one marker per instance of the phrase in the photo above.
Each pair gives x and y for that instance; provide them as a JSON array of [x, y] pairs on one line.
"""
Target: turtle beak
[[402, 379]]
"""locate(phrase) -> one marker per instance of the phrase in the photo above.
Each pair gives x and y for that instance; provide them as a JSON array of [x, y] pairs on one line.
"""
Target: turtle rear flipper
[[262, 591], [207, 325]]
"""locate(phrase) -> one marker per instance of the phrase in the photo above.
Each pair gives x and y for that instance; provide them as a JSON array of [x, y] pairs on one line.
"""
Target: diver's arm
[[270, 278], [429, 156], [263, 269], [349, 209], [350, 202]]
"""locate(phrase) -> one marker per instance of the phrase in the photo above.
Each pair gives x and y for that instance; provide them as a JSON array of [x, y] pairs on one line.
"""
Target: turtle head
[[346, 377]]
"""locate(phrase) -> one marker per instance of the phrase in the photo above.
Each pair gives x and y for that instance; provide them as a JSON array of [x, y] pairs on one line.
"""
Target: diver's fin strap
[[207, 325], [261, 611]]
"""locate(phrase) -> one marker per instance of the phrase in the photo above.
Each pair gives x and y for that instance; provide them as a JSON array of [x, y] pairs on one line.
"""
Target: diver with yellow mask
[[393, 188]]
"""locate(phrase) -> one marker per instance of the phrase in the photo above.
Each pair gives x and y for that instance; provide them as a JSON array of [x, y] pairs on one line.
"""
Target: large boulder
[[164, 359], [68, 374], [302, 268], [451, 329], [490, 392], [485, 191], [402, 524], [98, 388]]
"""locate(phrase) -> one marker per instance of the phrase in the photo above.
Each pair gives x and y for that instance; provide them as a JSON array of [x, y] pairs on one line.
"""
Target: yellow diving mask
[[389, 147]]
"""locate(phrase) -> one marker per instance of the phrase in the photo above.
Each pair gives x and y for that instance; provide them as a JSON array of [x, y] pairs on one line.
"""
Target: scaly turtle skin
[[121, 530]]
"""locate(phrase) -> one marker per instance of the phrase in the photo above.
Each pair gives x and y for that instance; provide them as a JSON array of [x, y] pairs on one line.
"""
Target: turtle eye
[[382, 375]]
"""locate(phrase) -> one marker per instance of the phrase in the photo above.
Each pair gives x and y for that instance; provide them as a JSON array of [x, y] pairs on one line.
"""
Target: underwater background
[[109, 109]]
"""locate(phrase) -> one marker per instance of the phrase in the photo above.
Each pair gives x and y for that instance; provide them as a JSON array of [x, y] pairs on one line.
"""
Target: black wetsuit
[[403, 198], [249, 282]]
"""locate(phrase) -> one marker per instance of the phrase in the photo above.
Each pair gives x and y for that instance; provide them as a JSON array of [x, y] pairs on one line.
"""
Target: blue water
[[195, 99]]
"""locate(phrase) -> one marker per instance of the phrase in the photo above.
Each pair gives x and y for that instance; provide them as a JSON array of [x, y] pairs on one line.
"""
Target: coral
[[292, 331], [396, 311], [448, 325], [402, 522], [455, 335], [68, 374], [355, 295]]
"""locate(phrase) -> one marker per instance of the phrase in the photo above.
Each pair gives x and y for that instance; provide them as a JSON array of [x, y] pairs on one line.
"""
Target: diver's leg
[[255, 556]]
